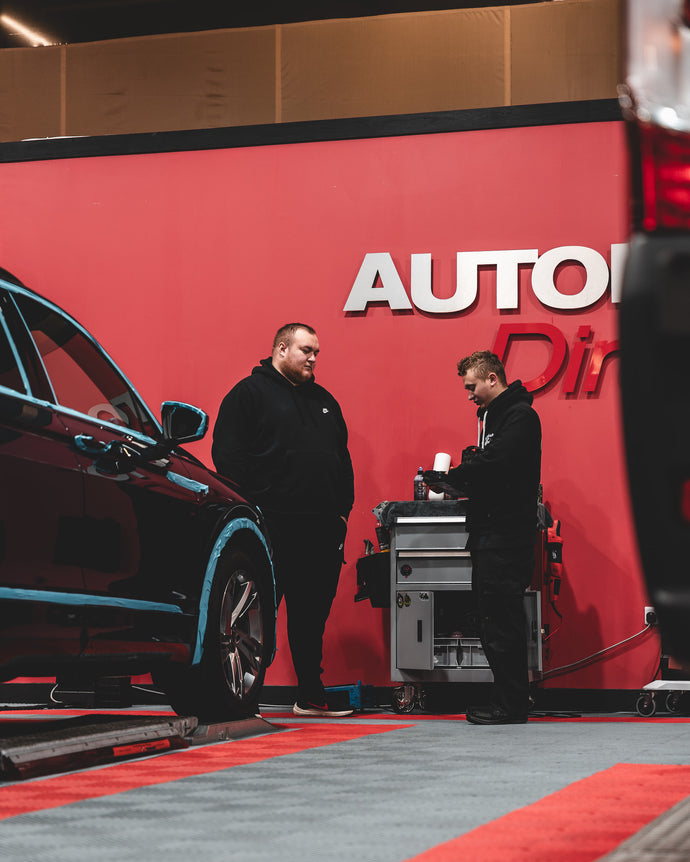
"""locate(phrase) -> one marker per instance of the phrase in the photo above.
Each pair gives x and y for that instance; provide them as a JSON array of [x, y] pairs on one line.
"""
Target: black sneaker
[[304, 707], [494, 715]]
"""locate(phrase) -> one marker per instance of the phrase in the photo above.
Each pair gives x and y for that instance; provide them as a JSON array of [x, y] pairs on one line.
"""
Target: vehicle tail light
[[685, 501], [665, 178], [656, 101]]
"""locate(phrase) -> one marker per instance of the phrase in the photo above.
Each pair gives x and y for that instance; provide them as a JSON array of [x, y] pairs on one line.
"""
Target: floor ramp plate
[[32, 748], [72, 743], [240, 728]]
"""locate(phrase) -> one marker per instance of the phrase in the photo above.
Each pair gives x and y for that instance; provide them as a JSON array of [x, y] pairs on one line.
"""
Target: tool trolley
[[434, 625]]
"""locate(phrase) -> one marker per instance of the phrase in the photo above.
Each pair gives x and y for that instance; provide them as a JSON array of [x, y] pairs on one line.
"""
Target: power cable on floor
[[595, 655]]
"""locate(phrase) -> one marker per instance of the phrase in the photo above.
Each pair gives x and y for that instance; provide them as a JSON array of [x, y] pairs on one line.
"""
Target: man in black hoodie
[[501, 478], [282, 438]]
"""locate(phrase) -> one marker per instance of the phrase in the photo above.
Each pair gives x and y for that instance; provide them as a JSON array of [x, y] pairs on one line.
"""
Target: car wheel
[[237, 647]]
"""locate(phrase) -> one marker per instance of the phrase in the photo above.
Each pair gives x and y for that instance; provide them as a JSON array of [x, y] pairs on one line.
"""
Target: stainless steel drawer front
[[448, 533], [452, 567]]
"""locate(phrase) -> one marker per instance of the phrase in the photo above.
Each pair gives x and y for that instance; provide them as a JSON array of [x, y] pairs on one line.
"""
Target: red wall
[[184, 265]]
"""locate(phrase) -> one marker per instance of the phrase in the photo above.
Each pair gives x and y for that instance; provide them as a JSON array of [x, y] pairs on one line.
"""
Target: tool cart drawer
[[431, 533], [424, 567]]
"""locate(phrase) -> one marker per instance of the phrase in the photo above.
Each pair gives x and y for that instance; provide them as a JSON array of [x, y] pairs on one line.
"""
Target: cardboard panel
[[393, 64], [30, 93], [565, 51], [386, 65], [162, 83]]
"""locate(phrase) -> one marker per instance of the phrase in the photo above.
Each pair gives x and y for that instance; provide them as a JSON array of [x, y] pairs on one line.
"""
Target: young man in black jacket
[[282, 438], [501, 478]]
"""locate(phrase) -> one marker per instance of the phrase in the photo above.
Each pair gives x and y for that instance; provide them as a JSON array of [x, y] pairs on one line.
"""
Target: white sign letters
[[378, 280]]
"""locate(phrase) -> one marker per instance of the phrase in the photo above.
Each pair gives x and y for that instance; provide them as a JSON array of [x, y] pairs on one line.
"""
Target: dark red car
[[120, 553]]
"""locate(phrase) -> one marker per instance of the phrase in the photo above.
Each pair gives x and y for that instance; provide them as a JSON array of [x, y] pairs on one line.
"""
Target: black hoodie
[[284, 445], [502, 479]]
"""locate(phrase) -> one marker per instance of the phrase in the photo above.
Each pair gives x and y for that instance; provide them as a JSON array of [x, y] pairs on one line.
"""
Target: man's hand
[[469, 453], [433, 477], [438, 481]]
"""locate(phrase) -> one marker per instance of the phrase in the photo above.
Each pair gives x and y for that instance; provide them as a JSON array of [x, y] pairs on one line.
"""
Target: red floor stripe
[[580, 823], [45, 793]]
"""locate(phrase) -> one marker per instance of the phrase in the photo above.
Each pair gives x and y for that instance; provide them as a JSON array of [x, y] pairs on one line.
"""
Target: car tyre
[[238, 644]]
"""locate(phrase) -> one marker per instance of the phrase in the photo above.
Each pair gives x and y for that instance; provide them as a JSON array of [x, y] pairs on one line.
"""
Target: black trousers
[[500, 577], [308, 556]]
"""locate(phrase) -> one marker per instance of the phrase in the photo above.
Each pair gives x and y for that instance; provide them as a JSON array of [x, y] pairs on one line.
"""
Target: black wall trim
[[556, 113]]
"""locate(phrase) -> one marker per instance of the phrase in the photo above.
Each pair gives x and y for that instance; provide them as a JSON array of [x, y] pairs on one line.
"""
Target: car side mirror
[[182, 423]]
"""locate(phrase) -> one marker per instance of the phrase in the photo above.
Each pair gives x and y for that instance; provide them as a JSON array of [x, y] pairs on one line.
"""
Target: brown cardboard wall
[[565, 52], [394, 64], [391, 64], [165, 83], [30, 93]]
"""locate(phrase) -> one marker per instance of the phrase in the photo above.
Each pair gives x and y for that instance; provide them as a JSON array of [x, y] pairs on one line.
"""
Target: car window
[[10, 375], [81, 377]]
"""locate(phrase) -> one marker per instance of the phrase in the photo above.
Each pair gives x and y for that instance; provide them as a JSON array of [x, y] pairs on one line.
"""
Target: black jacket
[[502, 477], [284, 445]]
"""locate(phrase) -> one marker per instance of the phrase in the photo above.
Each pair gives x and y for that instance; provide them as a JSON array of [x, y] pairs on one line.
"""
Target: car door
[[138, 532], [41, 504], [42, 488]]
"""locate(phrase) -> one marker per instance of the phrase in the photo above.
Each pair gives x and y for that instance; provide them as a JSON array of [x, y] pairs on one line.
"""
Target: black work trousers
[[500, 577], [307, 558]]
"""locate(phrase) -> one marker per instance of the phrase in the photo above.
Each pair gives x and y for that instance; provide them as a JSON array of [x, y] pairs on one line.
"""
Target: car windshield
[[81, 377]]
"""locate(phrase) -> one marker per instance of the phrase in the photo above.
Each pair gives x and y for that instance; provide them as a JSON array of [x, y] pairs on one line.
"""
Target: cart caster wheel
[[673, 699], [646, 705], [404, 699]]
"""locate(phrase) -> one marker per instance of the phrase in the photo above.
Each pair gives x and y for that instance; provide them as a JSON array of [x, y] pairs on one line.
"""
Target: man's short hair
[[287, 332], [483, 363]]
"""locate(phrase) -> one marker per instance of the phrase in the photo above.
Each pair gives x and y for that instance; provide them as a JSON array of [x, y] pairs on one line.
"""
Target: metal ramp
[[29, 748]]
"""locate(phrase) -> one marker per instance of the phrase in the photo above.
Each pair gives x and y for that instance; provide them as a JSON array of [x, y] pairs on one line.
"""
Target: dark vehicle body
[[655, 308], [120, 553]]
